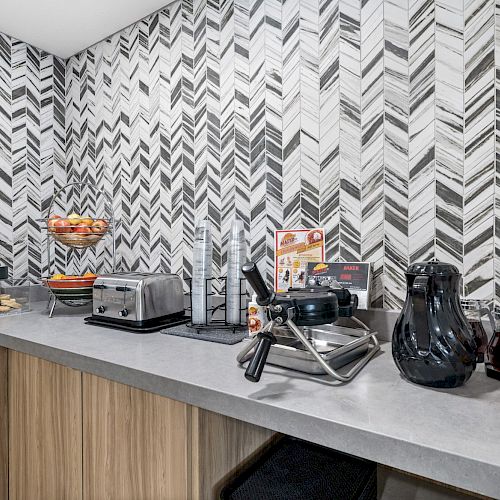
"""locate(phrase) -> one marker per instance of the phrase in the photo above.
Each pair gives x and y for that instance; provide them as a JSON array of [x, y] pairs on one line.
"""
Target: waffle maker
[[301, 307]]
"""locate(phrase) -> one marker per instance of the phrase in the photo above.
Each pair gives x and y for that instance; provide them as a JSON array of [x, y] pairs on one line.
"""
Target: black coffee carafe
[[432, 343]]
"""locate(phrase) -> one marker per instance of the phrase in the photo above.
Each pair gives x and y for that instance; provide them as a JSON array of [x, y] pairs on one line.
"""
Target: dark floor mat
[[297, 470]]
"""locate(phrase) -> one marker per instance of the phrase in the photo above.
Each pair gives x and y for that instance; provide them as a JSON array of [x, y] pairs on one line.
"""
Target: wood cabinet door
[[135, 443], [45, 429], [4, 425], [221, 447]]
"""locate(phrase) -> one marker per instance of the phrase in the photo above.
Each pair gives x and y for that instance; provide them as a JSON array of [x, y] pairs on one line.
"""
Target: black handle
[[124, 289], [100, 287], [252, 274], [257, 363], [419, 302]]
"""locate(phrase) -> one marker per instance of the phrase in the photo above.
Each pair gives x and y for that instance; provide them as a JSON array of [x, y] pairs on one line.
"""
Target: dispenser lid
[[432, 267]]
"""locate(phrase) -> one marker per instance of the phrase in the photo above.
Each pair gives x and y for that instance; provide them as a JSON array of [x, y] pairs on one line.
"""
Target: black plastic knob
[[123, 313], [252, 274], [257, 363], [100, 310]]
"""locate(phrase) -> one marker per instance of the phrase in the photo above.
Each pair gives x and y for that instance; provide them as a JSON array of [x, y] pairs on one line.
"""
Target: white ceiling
[[65, 27]]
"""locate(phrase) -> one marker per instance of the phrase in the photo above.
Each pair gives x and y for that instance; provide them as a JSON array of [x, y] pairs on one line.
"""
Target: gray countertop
[[451, 436]]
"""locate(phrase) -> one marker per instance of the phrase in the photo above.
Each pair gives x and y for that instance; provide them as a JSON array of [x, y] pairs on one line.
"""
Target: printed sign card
[[293, 250], [355, 276]]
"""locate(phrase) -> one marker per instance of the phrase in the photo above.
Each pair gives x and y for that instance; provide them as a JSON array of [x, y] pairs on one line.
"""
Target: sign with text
[[355, 276], [293, 250]]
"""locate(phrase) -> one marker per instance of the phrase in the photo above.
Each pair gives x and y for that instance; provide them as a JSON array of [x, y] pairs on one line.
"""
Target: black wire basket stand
[[222, 323]]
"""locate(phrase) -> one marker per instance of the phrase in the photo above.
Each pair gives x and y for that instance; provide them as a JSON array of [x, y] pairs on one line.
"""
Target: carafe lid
[[432, 267]]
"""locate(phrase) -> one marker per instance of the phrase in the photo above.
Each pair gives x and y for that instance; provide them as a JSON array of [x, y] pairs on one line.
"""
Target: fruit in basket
[[88, 221], [74, 219], [60, 276], [51, 222], [59, 283], [82, 229], [99, 226], [62, 226]]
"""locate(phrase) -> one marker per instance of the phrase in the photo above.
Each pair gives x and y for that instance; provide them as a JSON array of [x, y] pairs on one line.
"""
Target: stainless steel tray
[[337, 345]]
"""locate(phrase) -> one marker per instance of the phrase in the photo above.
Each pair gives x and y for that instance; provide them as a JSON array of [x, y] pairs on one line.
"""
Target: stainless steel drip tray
[[332, 342]]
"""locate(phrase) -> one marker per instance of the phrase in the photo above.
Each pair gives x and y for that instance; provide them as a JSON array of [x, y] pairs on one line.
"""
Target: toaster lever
[[124, 289]]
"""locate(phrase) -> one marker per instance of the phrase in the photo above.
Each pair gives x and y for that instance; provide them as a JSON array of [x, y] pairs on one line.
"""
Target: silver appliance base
[[332, 343]]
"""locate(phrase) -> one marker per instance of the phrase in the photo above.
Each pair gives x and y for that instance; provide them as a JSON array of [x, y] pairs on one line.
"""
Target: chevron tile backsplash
[[377, 119], [32, 152]]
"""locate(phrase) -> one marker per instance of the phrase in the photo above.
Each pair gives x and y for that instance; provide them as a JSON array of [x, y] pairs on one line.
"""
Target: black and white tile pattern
[[374, 119], [32, 152]]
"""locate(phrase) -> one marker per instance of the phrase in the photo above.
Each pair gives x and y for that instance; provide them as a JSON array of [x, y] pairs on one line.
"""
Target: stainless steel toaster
[[137, 298]]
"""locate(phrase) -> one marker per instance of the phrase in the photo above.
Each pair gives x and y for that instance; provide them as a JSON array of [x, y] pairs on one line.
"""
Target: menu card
[[293, 250]]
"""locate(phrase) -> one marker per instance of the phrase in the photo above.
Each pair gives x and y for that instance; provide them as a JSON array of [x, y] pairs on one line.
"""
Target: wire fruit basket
[[67, 237], [72, 288], [77, 233]]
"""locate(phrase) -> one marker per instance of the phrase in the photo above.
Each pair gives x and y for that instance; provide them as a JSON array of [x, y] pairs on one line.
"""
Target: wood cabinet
[[4, 425], [134, 443], [72, 435], [221, 447], [45, 429]]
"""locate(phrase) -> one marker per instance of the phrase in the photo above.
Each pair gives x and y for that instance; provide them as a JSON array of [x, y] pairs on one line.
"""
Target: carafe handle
[[419, 303], [485, 311]]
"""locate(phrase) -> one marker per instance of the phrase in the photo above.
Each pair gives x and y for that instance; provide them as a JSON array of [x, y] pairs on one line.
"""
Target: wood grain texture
[[221, 446], [45, 431], [4, 424], [135, 443]]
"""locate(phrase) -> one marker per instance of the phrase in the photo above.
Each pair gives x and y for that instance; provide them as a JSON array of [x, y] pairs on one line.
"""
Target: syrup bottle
[[493, 356], [474, 311]]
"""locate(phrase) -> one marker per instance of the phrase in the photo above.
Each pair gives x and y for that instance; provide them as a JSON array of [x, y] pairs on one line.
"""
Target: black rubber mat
[[215, 334], [298, 470]]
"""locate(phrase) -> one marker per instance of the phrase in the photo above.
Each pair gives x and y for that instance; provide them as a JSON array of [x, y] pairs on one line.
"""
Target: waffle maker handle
[[253, 276], [258, 361], [266, 338]]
